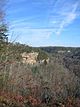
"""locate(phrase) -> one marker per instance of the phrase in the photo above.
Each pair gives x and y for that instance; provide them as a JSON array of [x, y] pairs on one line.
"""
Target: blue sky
[[44, 22]]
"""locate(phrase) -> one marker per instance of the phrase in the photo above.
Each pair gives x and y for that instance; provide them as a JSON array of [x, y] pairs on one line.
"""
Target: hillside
[[52, 84], [70, 56]]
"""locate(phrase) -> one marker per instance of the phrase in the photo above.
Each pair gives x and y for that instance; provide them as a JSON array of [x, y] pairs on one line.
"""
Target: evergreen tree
[[3, 33], [3, 27]]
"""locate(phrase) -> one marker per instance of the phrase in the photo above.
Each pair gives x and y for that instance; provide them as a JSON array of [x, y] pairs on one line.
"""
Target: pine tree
[[3, 33], [3, 26]]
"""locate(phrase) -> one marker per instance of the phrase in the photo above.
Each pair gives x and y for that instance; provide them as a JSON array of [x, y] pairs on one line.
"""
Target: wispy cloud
[[66, 14], [43, 18], [32, 35]]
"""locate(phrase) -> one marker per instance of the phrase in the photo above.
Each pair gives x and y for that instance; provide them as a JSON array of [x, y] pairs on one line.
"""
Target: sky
[[44, 22]]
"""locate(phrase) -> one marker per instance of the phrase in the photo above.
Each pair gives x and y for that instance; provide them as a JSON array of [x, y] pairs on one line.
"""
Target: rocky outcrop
[[29, 58]]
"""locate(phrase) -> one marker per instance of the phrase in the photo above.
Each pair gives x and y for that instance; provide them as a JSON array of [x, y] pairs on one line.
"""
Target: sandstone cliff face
[[29, 58]]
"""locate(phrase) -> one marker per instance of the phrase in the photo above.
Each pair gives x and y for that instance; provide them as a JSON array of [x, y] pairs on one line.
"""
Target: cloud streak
[[43, 19], [32, 35], [65, 15]]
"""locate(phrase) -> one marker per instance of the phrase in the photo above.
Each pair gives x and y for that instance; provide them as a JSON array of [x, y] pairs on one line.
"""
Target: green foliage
[[45, 62], [3, 42], [42, 55], [35, 69], [3, 31]]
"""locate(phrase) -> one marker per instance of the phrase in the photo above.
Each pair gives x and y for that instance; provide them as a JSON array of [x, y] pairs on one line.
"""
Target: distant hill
[[55, 49]]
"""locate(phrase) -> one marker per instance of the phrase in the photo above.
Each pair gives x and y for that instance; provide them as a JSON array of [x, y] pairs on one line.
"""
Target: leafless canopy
[[2, 12]]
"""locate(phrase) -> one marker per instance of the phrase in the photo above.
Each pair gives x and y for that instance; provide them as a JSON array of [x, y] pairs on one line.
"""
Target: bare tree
[[2, 8]]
